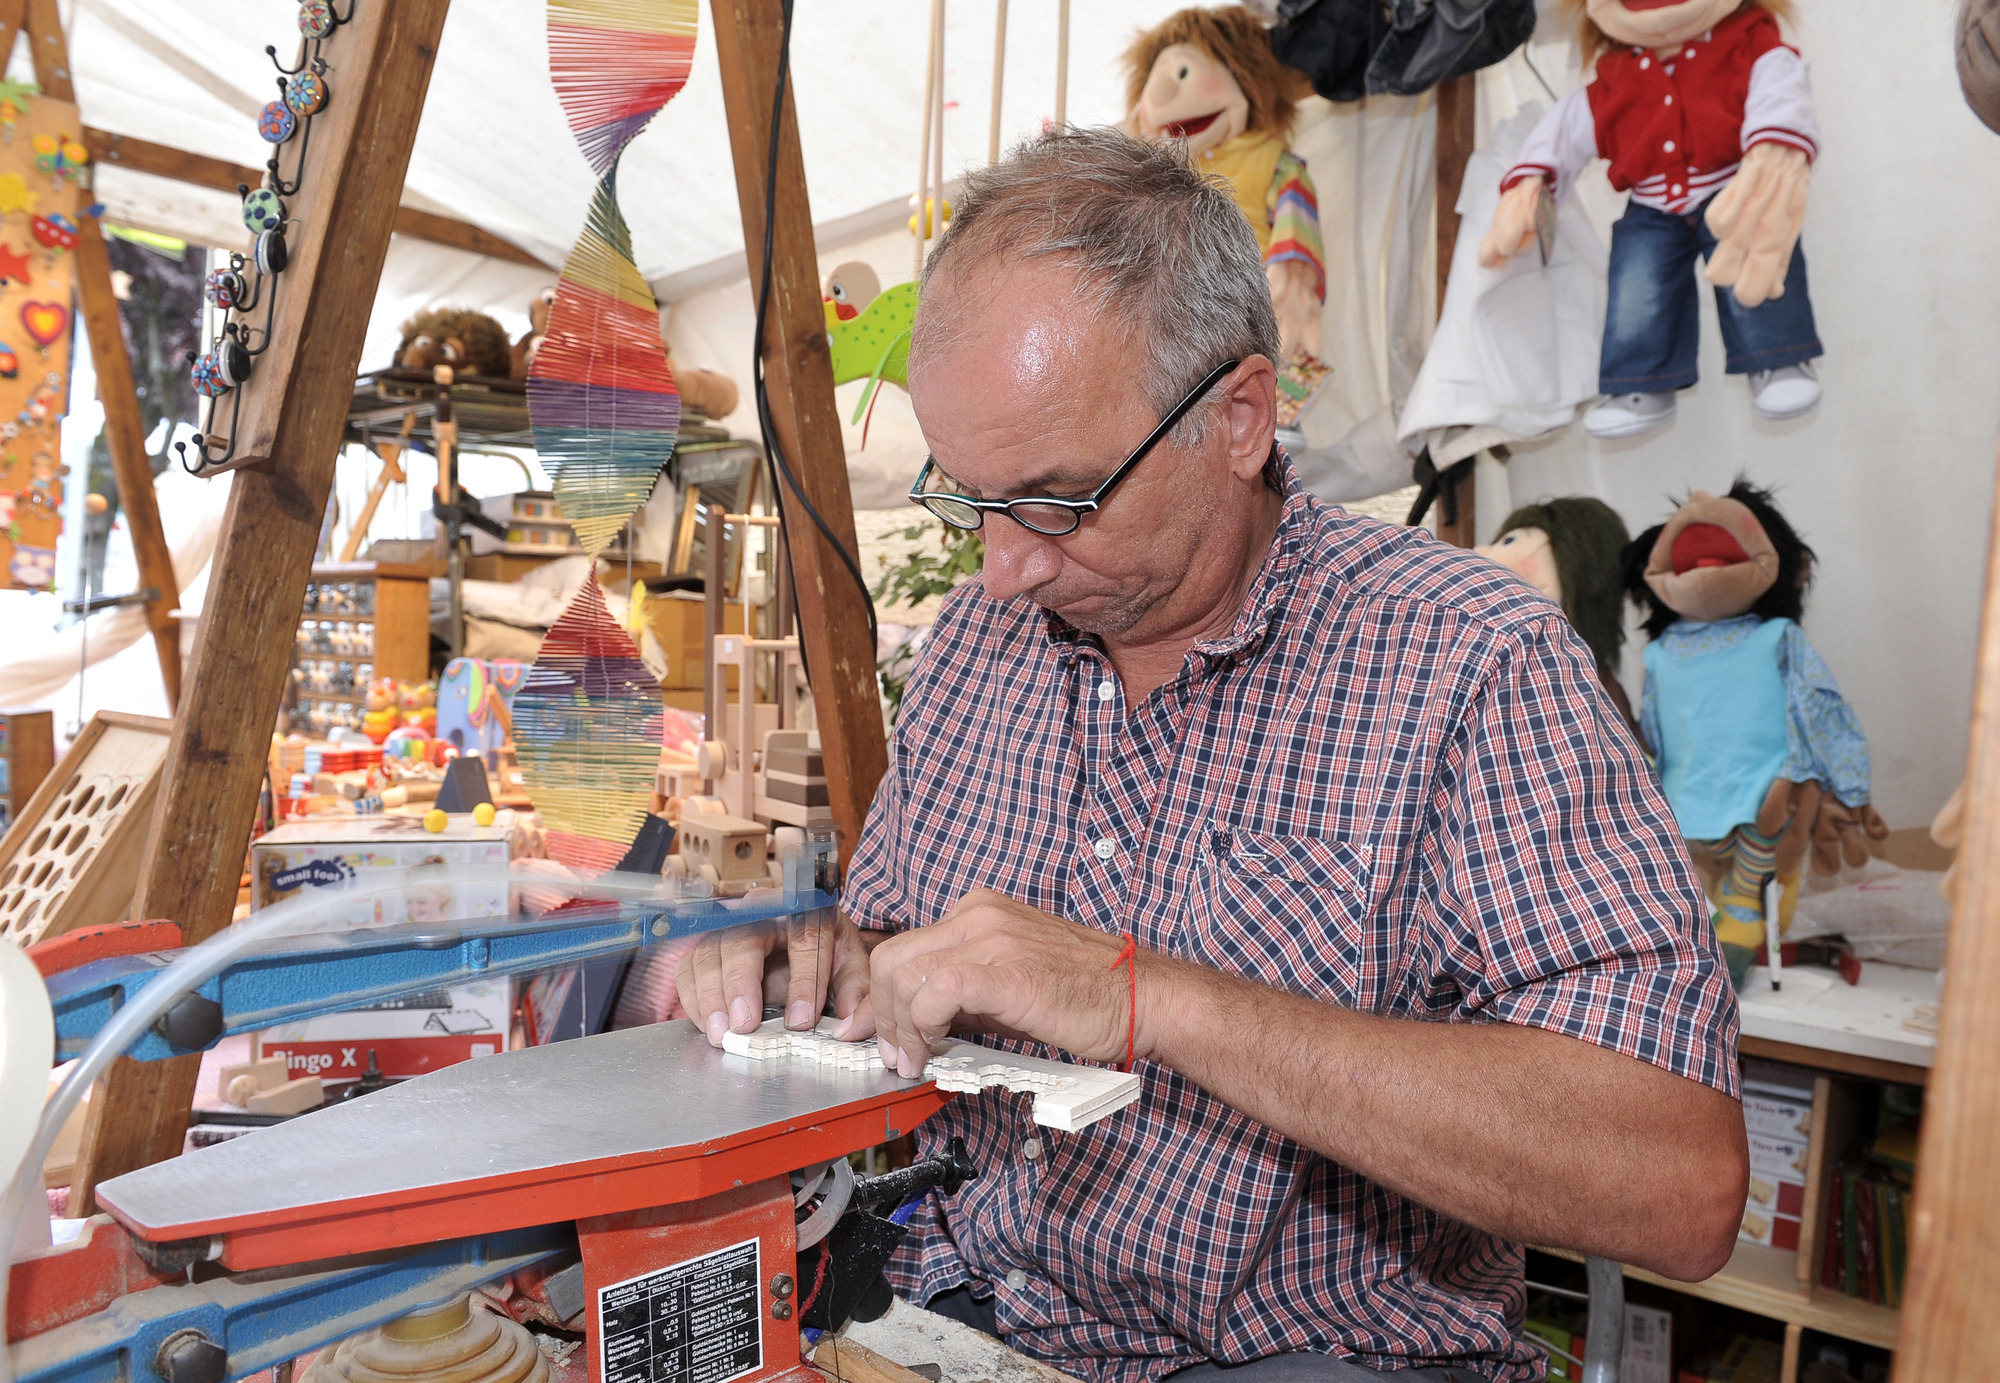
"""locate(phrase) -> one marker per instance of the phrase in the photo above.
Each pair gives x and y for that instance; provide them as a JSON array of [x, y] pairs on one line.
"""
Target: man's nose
[[1018, 560]]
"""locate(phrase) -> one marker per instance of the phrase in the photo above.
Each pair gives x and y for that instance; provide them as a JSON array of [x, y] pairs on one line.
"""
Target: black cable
[[772, 450]]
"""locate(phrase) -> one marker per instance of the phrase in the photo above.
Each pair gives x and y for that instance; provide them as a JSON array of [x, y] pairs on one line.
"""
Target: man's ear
[[1250, 402]]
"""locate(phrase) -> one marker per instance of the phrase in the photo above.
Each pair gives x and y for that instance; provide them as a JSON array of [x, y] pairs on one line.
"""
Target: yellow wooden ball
[[435, 820], [95, 503], [483, 814]]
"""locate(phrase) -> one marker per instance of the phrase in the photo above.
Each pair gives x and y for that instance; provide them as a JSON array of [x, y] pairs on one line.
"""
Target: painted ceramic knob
[[207, 377], [306, 93], [272, 256], [263, 210], [316, 18], [226, 288], [277, 122]]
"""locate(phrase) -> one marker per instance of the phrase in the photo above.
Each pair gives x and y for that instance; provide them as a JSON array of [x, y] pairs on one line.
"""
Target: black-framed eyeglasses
[[1043, 514]]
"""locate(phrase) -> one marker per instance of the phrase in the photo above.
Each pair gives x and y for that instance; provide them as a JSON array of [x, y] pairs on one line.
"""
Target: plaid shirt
[[1393, 785]]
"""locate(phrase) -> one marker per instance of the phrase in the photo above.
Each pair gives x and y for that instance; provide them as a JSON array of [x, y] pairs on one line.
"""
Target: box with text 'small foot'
[[340, 855], [409, 1036]]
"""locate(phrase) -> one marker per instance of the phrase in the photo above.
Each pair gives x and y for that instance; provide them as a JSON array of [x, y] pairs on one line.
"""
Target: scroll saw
[[646, 1183]]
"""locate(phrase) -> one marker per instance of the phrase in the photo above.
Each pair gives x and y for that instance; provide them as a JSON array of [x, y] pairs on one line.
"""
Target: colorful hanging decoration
[[606, 415], [587, 725], [601, 396]]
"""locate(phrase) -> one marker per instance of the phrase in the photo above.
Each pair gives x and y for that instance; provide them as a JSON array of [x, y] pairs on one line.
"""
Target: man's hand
[[803, 961], [995, 965], [1513, 223], [1756, 221]]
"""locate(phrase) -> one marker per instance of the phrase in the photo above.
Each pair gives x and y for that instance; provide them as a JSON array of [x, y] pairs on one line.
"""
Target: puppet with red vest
[[1706, 116]]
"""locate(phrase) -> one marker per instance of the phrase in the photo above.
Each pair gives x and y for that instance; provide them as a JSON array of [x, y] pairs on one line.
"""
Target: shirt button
[[1032, 1149], [1105, 849], [1677, 189], [1016, 1279], [1690, 52], [1645, 63], [1669, 146], [1105, 691], [1670, 100]]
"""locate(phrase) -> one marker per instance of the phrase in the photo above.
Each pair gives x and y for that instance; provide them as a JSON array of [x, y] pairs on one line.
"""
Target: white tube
[[203, 962]]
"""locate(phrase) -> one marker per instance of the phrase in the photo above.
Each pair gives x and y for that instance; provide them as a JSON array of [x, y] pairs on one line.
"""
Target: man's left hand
[[995, 965]]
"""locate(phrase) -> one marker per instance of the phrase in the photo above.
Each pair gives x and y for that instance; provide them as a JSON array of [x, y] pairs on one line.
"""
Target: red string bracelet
[[1130, 956]]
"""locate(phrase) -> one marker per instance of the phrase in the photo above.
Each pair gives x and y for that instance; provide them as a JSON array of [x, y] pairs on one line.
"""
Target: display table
[[1819, 1020]]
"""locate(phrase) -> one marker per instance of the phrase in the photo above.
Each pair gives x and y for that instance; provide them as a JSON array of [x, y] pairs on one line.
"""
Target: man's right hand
[[804, 962], [1513, 224]]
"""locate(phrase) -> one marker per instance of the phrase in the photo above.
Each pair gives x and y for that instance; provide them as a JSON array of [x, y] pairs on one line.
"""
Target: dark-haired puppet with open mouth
[[1756, 747]]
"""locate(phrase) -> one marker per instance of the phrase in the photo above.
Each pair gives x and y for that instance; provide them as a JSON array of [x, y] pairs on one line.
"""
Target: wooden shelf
[[1764, 1281]]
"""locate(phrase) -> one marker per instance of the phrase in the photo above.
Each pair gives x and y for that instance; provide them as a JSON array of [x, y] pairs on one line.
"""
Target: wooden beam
[[125, 435], [49, 50], [1456, 104], [143, 156], [243, 651], [1954, 1275], [833, 609]]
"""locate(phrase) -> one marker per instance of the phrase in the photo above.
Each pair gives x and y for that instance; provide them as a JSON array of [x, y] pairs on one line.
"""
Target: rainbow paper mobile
[[606, 416], [587, 725]]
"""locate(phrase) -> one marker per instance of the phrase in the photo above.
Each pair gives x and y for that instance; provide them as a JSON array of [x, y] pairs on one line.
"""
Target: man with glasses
[[1325, 826]]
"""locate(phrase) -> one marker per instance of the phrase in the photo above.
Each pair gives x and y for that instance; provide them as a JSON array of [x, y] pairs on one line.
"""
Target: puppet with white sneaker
[[1706, 116]]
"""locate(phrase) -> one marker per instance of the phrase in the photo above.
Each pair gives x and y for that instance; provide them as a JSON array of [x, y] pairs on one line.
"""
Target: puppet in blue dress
[[1756, 748]]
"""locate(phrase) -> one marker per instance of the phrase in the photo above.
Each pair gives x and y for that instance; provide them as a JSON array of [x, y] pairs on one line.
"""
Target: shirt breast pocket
[[1291, 911]]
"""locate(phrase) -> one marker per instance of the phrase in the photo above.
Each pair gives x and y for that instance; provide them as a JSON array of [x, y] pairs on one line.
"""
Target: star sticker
[[13, 264]]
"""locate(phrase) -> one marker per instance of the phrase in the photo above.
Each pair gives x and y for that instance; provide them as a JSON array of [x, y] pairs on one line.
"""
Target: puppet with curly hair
[[1706, 115], [1760, 755], [1208, 76]]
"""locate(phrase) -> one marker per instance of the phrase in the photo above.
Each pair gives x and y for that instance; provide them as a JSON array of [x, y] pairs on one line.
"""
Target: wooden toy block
[[734, 848], [1067, 1096], [237, 1084], [293, 1097]]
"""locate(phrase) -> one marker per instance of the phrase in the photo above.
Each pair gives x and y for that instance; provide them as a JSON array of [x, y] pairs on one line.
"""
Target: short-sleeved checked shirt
[[1393, 785]]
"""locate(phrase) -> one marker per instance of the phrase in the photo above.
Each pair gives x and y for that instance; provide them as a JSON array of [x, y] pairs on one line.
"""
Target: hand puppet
[[1571, 550], [538, 327], [1755, 746], [1706, 115], [1209, 77]]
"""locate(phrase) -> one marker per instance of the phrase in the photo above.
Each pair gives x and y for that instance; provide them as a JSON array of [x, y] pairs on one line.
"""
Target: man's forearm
[[1519, 1131]]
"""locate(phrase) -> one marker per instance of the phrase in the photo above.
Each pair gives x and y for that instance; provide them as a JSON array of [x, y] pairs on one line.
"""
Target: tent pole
[[832, 608], [1457, 101], [999, 79]]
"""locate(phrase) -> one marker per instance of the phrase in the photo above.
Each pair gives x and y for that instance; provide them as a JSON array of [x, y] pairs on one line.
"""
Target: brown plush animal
[[538, 327], [470, 342], [713, 395]]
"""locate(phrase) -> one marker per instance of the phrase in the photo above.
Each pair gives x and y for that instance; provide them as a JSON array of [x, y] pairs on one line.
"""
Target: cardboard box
[[408, 1036], [421, 1032], [1782, 1119], [338, 853], [1649, 1346], [1786, 1157], [677, 618]]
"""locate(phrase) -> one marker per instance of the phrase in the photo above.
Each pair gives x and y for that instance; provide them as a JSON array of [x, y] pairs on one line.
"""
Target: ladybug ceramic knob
[[263, 210], [277, 123], [316, 18], [306, 93]]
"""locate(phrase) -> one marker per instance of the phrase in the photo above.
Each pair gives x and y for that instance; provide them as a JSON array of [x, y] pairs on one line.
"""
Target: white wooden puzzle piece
[[1067, 1097]]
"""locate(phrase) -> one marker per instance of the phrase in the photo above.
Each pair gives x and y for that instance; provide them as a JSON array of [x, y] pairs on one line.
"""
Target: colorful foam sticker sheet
[[42, 171], [587, 724], [606, 416]]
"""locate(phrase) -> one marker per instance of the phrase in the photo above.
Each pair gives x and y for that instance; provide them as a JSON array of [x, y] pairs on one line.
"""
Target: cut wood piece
[[293, 1097], [294, 411], [847, 1362], [71, 859], [1067, 1096]]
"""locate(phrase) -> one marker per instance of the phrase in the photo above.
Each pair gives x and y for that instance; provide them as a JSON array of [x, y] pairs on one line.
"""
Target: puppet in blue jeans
[[1652, 323]]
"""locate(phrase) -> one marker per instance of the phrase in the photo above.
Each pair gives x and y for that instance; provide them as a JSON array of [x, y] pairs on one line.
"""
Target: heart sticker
[[45, 322]]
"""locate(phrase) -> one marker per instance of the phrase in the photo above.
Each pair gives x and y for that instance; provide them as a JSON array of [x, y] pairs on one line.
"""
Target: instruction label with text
[[690, 1322]]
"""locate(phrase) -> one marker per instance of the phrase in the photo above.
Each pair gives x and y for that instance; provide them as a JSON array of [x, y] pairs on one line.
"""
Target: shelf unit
[[1843, 1034], [27, 753], [360, 621]]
